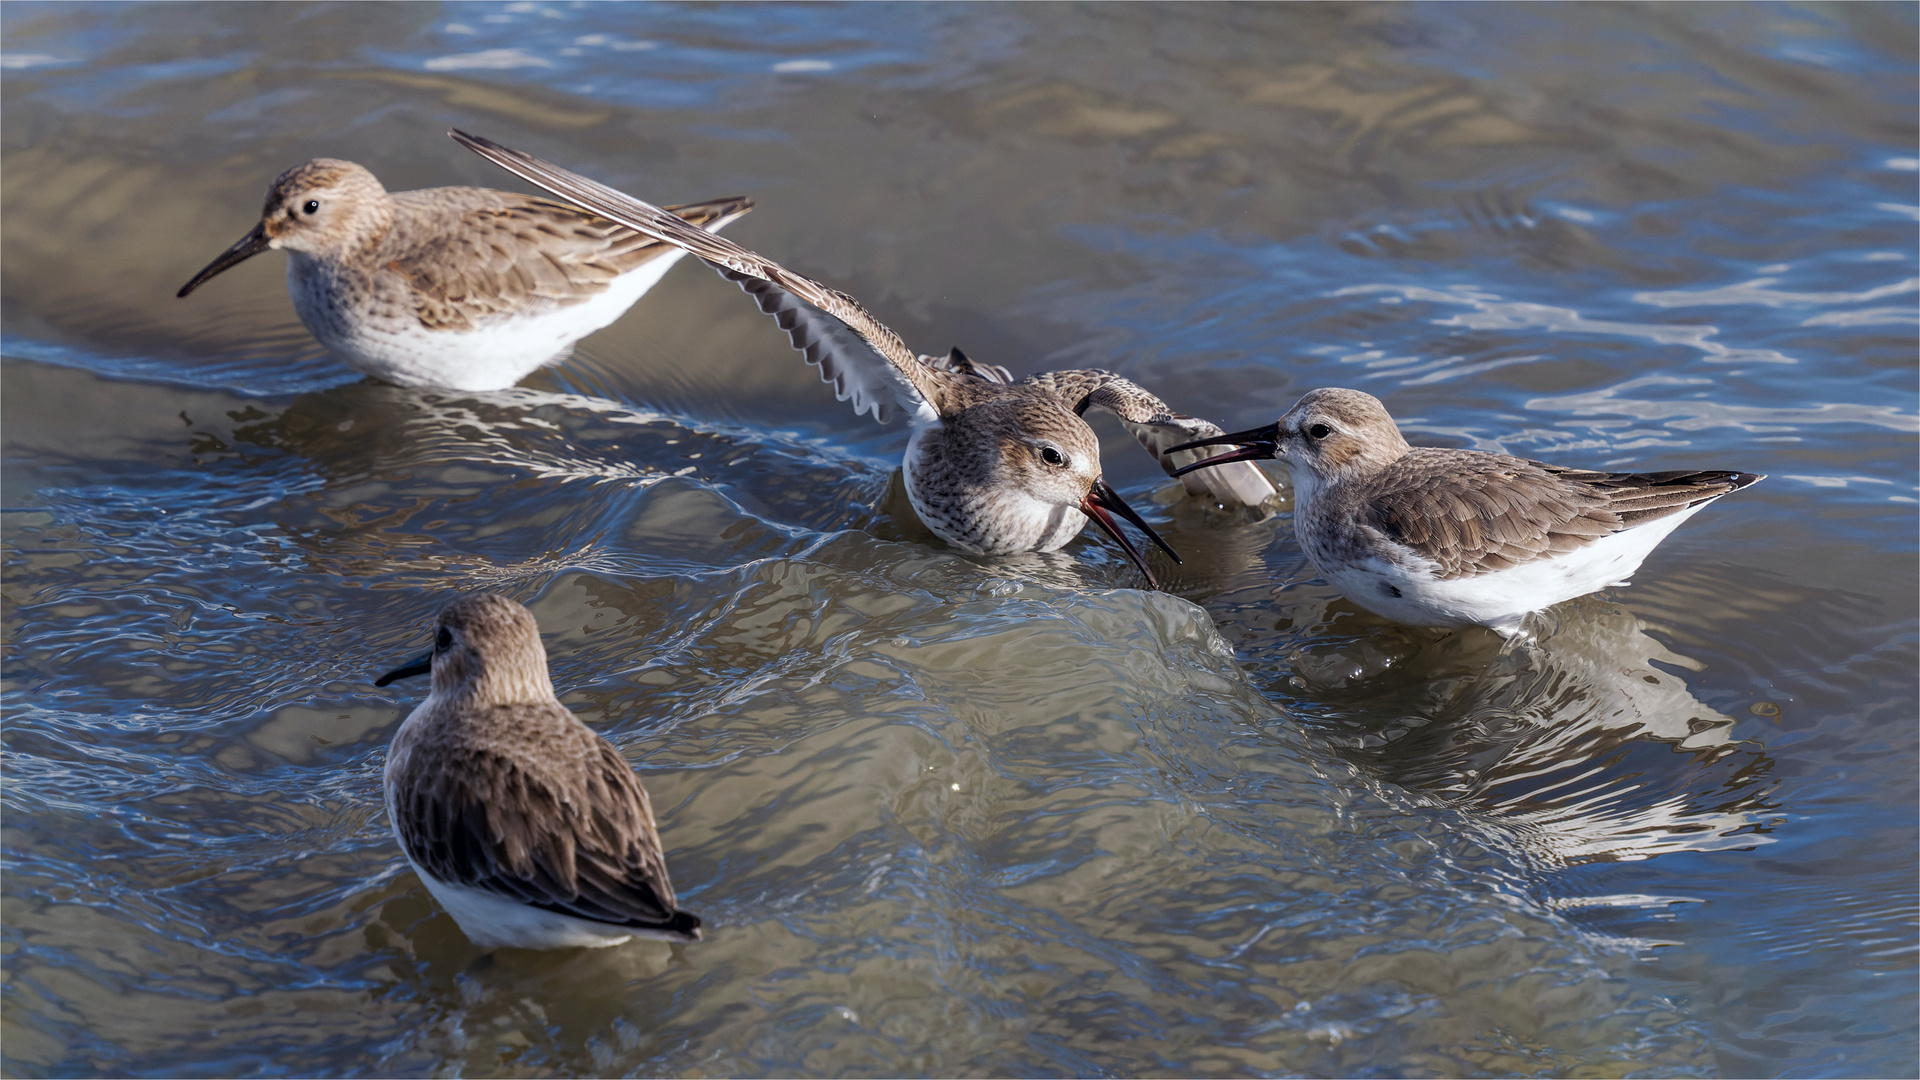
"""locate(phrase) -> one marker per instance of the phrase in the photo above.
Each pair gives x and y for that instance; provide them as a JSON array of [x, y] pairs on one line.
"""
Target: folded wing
[[514, 254], [1482, 513], [587, 849]]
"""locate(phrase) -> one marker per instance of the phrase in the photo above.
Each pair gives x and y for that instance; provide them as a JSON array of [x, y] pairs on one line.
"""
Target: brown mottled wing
[[864, 360], [516, 253], [585, 846], [1239, 483], [1475, 513]]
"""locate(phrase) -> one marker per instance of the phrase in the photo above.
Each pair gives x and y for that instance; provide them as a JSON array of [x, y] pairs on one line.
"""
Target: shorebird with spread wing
[[993, 466]]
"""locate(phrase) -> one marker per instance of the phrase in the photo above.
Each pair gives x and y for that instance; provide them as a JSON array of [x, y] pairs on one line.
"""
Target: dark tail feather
[[1643, 497], [684, 923]]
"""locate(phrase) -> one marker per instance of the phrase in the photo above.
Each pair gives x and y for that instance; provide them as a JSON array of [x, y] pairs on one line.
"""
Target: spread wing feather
[[1474, 513], [583, 848], [872, 365], [1239, 483], [842, 355]]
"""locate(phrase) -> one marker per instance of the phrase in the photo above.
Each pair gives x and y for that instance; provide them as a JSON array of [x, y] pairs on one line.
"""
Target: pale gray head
[[325, 208], [1339, 432], [1331, 431], [1033, 458], [486, 647]]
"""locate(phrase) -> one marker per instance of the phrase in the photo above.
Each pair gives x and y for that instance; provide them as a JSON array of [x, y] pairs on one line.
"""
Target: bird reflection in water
[[1578, 746], [355, 428]]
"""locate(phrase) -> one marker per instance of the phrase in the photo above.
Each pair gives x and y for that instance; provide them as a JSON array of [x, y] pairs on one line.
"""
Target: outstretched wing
[[866, 362], [1239, 483], [844, 355], [482, 820], [1478, 514]]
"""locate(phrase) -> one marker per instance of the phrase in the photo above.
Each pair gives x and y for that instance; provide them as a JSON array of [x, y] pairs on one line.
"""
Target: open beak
[[249, 245], [1263, 442], [1101, 503], [419, 665]]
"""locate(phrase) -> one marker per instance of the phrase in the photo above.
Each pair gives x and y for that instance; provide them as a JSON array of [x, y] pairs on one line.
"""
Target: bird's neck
[[504, 681]]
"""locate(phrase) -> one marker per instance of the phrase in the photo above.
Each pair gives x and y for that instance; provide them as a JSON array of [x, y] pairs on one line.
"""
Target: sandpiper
[[993, 466], [1436, 537], [458, 288], [530, 829]]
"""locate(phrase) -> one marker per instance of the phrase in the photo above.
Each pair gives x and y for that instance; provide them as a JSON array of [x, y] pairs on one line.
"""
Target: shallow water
[[951, 815]]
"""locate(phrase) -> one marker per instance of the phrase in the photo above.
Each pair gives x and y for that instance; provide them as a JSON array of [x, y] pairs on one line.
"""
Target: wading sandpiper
[[1437, 537], [993, 466], [530, 829], [457, 288]]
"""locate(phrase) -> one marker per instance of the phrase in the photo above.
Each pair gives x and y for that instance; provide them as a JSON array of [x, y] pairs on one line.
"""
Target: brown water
[[948, 815]]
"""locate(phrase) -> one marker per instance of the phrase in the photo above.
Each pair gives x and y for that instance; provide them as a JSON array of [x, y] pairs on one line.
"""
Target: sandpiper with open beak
[[1444, 537], [993, 466]]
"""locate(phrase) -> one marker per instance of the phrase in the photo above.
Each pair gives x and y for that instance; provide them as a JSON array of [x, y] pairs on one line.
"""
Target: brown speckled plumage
[[373, 266], [1475, 513], [493, 785], [1468, 512], [1442, 537]]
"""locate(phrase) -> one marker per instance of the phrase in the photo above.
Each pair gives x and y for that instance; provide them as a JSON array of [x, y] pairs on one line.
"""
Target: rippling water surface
[[952, 815]]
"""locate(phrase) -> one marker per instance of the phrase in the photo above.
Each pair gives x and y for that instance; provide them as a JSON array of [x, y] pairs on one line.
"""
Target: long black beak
[[1101, 499], [1262, 442], [248, 246], [419, 665]]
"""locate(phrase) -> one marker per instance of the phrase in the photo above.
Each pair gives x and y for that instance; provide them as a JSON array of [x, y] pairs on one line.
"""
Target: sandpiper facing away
[[455, 287], [993, 466], [1434, 537], [530, 829]]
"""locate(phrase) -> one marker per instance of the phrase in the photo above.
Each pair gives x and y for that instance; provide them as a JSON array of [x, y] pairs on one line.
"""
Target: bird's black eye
[[312, 206], [1052, 456], [443, 640], [1319, 431]]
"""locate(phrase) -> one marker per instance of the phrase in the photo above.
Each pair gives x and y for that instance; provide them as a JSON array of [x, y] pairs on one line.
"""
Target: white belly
[[498, 354], [493, 922], [1502, 599]]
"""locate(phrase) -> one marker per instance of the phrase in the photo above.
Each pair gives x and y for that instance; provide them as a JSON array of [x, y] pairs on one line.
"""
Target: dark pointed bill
[[1102, 499], [1255, 444], [419, 665], [246, 248]]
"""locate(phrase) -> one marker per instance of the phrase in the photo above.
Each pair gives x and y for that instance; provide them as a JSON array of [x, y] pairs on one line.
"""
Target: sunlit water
[[950, 815]]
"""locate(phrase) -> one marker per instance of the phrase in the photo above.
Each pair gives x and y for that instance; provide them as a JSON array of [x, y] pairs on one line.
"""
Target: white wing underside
[[1237, 483], [857, 372], [1147, 418]]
